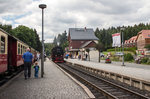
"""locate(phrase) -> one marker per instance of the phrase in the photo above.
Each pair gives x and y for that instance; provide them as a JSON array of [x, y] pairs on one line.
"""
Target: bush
[[148, 62], [144, 60], [128, 57], [131, 49], [115, 58]]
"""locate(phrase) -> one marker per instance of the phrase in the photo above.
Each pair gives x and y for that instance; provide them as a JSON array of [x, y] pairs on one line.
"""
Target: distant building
[[140, 41], [143, 39], [131, 42], [80, 38]]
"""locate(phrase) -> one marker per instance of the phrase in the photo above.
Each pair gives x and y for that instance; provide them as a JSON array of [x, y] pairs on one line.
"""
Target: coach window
[[18, 48], [21, 49], [2, 44], [24, 49]]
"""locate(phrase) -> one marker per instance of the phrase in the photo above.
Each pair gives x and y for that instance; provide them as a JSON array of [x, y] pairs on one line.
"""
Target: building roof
[[82, 34], [133, 39], [145, 33], [85, 44]]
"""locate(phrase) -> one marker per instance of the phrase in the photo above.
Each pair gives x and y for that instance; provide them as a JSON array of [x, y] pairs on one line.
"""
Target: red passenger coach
[[3, 51], [15, 52], [11, 51]]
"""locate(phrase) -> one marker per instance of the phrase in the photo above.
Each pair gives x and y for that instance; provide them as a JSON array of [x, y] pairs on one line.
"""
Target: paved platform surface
[[128, 70], [54, 85], [127, 64]]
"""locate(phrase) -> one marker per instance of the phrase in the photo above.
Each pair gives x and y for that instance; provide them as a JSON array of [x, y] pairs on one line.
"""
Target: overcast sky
[[60, 15]]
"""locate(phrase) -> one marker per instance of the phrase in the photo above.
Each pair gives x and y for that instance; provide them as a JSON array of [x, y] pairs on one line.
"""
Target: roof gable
[[87, 43], [82, 34], [144, 33]]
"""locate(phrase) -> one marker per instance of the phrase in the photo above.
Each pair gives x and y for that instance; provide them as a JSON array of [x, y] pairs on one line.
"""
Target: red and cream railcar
[[21, 48], [11, 51], [3, 51], [16, 48]]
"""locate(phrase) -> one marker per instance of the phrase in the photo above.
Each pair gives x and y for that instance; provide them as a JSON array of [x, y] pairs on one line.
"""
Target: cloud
[[63, 14]]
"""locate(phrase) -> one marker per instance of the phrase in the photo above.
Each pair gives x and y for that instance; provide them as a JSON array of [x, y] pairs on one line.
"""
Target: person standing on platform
[[36, 70], [27, 58]]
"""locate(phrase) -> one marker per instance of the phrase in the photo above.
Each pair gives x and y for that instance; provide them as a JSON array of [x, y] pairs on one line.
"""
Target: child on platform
[[36, 70]]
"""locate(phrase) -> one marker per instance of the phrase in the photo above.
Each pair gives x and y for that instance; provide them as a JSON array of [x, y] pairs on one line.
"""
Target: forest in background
[[60, 40], [105, 35], [25, 34], [30, 36]]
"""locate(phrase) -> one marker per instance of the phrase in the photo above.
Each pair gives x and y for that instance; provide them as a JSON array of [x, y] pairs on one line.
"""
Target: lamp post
[[42, 6], [122, 28]]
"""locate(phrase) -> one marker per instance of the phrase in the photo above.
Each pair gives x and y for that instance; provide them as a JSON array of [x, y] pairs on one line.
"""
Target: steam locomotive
[[57, 54]]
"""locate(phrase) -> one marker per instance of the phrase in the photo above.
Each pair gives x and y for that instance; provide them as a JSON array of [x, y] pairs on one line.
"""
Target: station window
[[21, 49], [18, 48], [2, 44]]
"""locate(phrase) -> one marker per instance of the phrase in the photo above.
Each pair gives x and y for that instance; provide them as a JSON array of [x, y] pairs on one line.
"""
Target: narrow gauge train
[[57, 54], [11, 51]]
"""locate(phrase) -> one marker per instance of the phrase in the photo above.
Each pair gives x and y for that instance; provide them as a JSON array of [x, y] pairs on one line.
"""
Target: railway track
[[5, 78], [101, 88]]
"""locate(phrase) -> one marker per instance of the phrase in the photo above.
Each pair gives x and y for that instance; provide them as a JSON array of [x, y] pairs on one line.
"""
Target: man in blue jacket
[[27, 58]]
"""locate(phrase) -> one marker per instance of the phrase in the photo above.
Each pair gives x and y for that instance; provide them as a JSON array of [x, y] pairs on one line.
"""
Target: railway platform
[[54, 85], [133, 74]]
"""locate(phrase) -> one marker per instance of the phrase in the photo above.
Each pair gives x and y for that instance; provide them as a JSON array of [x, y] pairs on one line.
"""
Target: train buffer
[[54, 85]]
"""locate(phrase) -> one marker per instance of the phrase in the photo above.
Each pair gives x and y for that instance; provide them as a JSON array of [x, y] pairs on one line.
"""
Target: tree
[[48, 48], [105, 37], [147, 46], [62, 40], [7, 28], [25, 34], [100, 47], [88, 50], [55, 41], [28, 36]]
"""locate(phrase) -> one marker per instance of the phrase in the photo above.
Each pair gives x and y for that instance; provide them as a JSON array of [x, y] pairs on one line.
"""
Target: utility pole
[[122, 28], [42, 6]]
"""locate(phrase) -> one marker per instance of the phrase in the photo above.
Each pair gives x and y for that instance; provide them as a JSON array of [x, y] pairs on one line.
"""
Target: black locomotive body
[[57, 54]]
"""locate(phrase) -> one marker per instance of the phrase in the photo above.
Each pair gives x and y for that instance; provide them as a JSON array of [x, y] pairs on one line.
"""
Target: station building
[[81, 39]]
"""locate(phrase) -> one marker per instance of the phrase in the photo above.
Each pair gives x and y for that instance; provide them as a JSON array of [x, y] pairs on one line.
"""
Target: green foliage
[[28, 35], [148, 46], [7, 28], [132, 49], [148, 62], [128, 57], [62, 40], [25, 34], [112, 49], [48, 48], [105, 35], [99, 46], [88, 50], [144, 60], [115, 58]]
